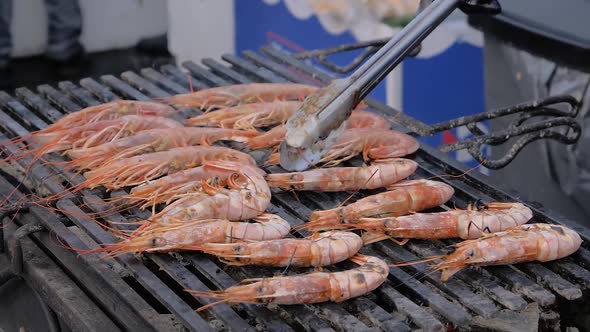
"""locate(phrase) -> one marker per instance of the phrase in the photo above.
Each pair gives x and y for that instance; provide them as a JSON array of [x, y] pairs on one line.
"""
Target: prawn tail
[[373, 237], [359, 259], [321, 219], [447, 269], [244, 136], [256, 143]]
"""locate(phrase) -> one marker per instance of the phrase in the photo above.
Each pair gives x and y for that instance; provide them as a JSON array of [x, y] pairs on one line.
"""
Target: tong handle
[[391, 54]]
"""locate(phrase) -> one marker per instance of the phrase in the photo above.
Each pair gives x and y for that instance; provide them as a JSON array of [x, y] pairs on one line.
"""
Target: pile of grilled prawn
[[213, 199]]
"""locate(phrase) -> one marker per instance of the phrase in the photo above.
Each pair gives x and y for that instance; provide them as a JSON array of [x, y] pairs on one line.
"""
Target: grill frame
[[416, 303]]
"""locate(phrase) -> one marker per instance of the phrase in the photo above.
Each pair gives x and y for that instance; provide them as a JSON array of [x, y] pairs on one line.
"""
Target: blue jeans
[[65, 27]]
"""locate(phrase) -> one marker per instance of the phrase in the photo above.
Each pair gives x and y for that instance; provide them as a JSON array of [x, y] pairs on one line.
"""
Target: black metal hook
[[16, 251]]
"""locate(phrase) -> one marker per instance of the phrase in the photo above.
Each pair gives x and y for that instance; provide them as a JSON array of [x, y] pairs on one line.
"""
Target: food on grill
[[247, 116], [524, 243], [374, 144], [109, 111], [175, 185], [401, 198], [377, 175], [466, 224], [183, 235], [139, 169], [209, 191], [232, 95], [93, 134], [308, 288], [319, 249], [358, 119], [153, 141], [248, 196]]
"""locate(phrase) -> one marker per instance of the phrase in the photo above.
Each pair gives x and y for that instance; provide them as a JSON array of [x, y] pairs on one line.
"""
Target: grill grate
[[148, 292]]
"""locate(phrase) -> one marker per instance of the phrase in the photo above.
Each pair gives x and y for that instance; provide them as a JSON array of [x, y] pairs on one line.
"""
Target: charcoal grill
[[146, 293]]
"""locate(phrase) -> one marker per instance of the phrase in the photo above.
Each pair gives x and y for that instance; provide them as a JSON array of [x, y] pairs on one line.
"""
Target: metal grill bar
[[158, 78], [77, 94], [409, 299], [142, 84], [248, 68], [103, 94], [203, 74], [218, 68], [183, 78], [57, 98]]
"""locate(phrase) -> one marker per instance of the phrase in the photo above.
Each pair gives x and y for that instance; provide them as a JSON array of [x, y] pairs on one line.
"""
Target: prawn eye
[[158, 242], [470, 253]]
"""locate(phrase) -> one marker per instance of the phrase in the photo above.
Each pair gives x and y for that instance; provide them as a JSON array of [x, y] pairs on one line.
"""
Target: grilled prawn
[[139, 169], [232, 95], [248, 196], [176, 185], [402, 198], [524, 243], [94, 134], [466, 224], [310, 288], [108, 111], [378, 175], [247, 116], [155, 140], [183, 235], [320, 249]]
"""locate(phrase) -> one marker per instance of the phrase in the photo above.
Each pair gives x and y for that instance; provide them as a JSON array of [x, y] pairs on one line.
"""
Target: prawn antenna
[[486, 229], [420, 261], [458, 175], [284, 273]]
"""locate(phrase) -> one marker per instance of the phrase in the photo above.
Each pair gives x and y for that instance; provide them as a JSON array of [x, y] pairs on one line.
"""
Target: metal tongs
[[318, 123]]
